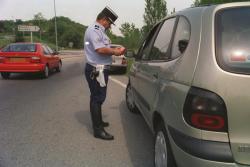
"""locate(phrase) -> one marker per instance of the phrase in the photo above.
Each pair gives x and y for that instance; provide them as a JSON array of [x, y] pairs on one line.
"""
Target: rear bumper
[[114, 67], [22, 67], [193, 152]]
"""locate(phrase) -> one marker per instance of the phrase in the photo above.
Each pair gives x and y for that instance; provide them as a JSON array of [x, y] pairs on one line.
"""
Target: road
[[46, 123]]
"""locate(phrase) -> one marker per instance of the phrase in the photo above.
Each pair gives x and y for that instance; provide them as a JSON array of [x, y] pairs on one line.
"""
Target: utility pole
[[55, 24], [13, 28], [40, 30]]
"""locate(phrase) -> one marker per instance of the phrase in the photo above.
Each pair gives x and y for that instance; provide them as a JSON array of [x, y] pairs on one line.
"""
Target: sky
[[83, 11]]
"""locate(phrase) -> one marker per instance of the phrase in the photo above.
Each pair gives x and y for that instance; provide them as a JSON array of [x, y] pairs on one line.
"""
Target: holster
[[94, 74]]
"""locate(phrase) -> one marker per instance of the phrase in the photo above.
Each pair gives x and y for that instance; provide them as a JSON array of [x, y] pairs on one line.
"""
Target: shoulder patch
[[97, 27]]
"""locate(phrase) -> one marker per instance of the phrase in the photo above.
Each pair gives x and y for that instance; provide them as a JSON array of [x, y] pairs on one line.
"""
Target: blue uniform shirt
[[95, 38]]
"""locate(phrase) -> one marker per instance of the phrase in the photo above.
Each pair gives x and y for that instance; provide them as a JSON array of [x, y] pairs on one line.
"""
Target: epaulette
[[97, 27]]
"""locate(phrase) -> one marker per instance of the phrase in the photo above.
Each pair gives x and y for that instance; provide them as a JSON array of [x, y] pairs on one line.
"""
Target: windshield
[[233, 39], [20, 48]]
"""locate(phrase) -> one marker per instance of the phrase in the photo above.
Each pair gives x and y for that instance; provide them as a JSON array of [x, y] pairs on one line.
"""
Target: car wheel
[[5, 75], [59, 68], [130, 100], [163, 153], [45, 73]]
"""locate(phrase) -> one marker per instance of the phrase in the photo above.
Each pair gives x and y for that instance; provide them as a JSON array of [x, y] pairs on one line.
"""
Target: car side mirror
[[182, 44], [55, 53]]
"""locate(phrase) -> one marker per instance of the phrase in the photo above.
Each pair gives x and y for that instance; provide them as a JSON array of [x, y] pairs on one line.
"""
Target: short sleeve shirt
[[95, 38]]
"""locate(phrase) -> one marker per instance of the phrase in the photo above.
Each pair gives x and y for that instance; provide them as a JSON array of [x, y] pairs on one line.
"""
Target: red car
[[28, 57]]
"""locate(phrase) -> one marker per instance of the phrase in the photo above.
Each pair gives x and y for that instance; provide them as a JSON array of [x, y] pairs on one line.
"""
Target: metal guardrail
[[71, 52]]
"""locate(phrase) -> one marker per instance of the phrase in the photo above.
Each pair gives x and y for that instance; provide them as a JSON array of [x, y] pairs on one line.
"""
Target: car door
[[47, 56], [135, 70], [153, 57], [54, 58]]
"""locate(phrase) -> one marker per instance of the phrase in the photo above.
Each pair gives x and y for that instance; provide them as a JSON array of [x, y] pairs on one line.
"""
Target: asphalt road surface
[[46, 122]]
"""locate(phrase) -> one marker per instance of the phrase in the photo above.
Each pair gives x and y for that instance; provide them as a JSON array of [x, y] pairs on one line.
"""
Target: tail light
[[2, 59], [205, 110], [124, 61], [35, 59]]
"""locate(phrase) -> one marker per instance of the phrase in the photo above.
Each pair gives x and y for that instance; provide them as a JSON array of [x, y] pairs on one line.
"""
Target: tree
[[7, 26], [115, 39], [155, 10], [1, 26], [72, 36], [39, 16], [173, 11], [19, 37], [126, 29], [132, 35], [196, 3], [38, 20], [67, 31]]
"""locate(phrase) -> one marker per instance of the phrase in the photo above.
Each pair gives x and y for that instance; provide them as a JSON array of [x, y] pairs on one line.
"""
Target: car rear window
[[233, 39], [20, 48]]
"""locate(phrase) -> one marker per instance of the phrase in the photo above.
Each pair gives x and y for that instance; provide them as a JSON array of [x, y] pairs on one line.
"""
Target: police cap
[[110, 14]]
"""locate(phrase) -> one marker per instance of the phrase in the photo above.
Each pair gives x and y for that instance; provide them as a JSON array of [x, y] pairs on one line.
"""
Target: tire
[[5, 75], [59, 68], [130, 100], [45, 73], [163, 152]]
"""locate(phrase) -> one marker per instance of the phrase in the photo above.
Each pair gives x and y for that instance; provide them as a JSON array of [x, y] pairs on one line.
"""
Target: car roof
[[212, 7]]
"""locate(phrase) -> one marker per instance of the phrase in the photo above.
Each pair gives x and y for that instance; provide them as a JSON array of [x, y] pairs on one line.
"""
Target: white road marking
[[118, 82]]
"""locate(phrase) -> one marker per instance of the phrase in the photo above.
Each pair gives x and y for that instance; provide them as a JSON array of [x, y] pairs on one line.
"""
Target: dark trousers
[[97, 97], [98, 93]]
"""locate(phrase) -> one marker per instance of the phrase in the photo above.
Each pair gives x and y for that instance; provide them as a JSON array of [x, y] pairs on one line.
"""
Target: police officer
[[98, 57]]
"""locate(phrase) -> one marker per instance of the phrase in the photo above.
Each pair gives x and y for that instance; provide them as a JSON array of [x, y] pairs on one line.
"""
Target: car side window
[[181, 38], [50, 50], [163, 40], [45, 51], [6, 49], [145, 49]]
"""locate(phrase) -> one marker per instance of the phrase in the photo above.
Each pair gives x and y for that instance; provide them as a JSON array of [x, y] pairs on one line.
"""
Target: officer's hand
[[119, 51], [123, 50]]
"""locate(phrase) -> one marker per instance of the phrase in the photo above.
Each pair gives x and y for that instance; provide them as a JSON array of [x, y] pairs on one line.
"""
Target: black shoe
[[105, 124], [102, 134]]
